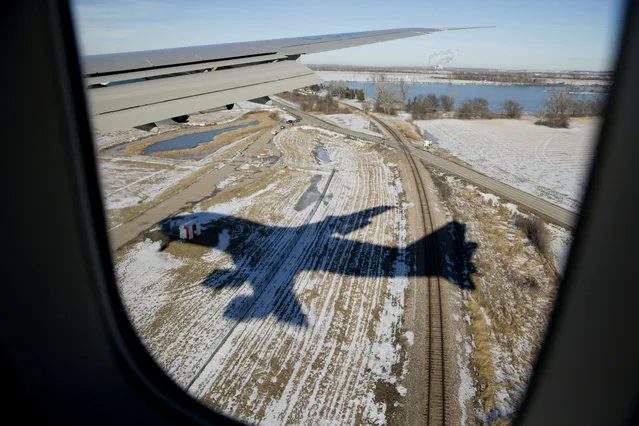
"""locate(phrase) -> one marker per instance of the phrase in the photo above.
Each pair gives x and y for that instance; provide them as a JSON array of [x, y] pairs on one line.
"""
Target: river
[[530, 97]]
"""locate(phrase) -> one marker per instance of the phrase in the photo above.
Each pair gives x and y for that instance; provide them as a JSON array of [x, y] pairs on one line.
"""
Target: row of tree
[[312, 102], [431, 106], [496, 76], [392, 96], [340, 90], [423, 106], [559, 107], [556, 111]]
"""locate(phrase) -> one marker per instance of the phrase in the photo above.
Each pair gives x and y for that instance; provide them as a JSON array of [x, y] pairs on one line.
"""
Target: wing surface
[[136, 88]]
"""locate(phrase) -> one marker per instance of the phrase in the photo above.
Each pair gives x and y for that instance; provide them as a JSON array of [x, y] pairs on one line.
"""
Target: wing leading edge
[[158, 84]]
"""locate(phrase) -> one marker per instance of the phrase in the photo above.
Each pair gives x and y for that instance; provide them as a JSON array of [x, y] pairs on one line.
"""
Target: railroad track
[[436, 411]]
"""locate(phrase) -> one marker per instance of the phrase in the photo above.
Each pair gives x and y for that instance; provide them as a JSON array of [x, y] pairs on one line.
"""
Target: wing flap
[[163, 71], [136, 103]]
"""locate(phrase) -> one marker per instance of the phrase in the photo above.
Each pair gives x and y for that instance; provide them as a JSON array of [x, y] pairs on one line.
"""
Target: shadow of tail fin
[[446, 253]]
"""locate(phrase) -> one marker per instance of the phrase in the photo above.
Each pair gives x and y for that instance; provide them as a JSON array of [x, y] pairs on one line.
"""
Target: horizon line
[[431, 67]]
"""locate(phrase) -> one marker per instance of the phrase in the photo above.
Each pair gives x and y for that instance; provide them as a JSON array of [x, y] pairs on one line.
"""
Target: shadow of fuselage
[[270, 257]]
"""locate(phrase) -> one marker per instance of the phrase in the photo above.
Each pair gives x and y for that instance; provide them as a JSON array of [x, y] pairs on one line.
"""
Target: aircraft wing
[[137, 88]]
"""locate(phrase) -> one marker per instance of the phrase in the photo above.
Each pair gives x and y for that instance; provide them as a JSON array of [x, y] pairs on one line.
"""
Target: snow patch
[[410, 338], [401, 390], [560, 244], [351, 121]]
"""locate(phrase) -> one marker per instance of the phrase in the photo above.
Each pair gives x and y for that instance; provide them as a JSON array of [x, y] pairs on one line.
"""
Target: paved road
[[544, 209], [126, 232]]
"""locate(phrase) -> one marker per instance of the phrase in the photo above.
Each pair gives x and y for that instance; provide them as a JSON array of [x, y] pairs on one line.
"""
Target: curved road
[[542, 208]]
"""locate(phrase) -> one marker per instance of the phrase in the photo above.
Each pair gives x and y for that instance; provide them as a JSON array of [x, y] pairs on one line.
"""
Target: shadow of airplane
[[270, 257]]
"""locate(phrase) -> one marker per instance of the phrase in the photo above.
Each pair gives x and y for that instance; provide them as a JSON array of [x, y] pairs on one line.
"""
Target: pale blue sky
[[540, 34]]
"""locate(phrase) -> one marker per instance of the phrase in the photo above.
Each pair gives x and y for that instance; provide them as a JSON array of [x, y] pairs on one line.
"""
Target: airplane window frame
[[80, 324]]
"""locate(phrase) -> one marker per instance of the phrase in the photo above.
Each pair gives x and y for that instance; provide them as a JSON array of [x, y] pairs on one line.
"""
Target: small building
[[190, 229], [426, 143]]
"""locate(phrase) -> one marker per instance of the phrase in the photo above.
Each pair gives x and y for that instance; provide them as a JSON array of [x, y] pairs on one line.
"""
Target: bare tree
[[597, 105], [431, 103], [368, 105], [424, 106], [404, 87], [474, 108], [337, 89], [448, 102], [558, 103], [511, 108], [387, 97], [579, 108], [556, 110]]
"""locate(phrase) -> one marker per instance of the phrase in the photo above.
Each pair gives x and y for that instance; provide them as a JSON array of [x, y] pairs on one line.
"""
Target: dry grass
[[487, 389], [536, 232], [444, 190], [407, 129], [274, 115], [136, 163], [557, 121]]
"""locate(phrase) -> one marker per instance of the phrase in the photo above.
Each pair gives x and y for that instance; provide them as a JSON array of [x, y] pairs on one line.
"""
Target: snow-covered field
[[126, 183], [291, 308], [443, 78], [351, 121], [550, 163]]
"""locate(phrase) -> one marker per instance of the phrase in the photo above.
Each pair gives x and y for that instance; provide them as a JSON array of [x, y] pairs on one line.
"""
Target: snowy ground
[[129, 183], [351, 121], [550, 163], [132, 183], [443, 78], [290, 308]]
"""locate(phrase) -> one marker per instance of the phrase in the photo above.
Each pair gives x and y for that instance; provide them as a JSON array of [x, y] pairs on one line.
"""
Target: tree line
[[556, 111], [313, 102], [392, 97]]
